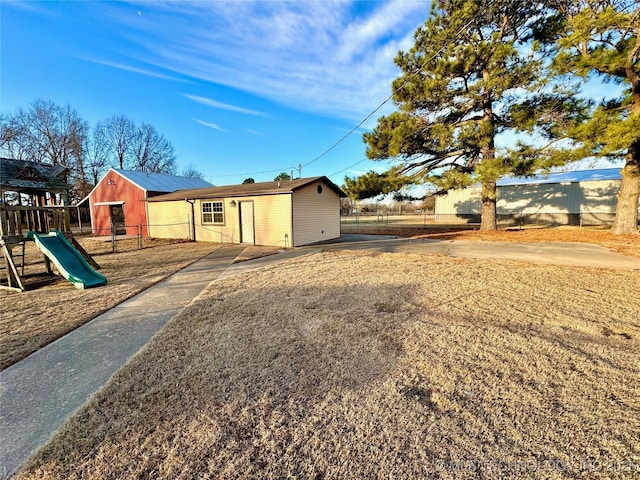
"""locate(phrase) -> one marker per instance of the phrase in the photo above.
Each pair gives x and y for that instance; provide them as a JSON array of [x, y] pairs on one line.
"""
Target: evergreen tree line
[[58, 135], [483, 73]]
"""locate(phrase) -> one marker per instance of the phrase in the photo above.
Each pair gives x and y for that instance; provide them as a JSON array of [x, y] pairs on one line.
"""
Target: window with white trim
[[213, 212]]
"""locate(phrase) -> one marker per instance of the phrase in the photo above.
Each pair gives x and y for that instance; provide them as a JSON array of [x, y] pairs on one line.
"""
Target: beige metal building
[[586, 197], [286, 213]]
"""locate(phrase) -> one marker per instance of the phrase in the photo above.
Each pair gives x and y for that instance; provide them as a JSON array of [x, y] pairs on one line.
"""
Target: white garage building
[[586, 197], [287, 213]]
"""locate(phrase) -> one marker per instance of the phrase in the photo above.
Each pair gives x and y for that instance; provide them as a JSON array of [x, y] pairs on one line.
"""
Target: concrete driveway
[[577, 254]]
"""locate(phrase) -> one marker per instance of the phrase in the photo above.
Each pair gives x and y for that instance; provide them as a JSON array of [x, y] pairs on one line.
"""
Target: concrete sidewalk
[[38, 393]]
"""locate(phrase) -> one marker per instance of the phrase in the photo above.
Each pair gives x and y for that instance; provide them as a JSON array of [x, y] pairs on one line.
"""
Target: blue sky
[[240, 88]]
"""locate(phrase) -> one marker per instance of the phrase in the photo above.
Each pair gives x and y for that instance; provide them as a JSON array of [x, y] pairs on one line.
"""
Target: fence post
[[139, 236], [114, 241]]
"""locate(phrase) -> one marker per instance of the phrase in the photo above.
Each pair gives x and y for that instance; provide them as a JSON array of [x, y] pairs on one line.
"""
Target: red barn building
[[118, 200]]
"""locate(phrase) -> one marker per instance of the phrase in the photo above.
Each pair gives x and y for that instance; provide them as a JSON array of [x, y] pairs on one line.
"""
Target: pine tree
[[603, 38], [460, 85], [372, 184]]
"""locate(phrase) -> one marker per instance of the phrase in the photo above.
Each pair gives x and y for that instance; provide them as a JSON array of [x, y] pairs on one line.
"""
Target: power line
[[350, 132], [347, 168], [390, 97], [284, 169], [353, 130]]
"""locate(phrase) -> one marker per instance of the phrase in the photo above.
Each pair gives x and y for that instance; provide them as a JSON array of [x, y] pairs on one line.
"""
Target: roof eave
[[207, 196], [336, 189]]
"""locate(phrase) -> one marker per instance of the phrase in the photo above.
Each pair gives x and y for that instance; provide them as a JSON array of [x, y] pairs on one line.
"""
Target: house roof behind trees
[[159, 182], [22, 175], [247, 189]]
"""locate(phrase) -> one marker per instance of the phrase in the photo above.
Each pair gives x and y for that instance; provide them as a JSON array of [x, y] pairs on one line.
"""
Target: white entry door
[[247, 234]]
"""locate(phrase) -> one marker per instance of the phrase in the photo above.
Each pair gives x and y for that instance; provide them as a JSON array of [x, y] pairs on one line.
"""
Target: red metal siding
[[115, 188]]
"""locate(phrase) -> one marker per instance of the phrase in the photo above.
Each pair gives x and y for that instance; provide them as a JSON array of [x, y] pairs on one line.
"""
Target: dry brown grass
[[624, 244], [32, 319], [356, 365], [256, 251]]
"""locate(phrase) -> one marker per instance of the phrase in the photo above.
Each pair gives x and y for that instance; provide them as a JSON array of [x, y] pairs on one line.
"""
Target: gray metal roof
[[158, 182], [564, 177]]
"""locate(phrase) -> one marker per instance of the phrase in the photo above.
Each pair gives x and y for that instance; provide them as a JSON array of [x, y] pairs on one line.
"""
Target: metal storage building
[[585, 197], [286, 213]]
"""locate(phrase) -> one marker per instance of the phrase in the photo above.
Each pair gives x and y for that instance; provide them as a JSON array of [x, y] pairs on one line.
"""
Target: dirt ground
[[359, 365], [625, 244]]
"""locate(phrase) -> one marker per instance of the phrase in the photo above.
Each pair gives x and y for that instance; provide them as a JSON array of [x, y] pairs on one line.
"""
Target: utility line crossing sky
[[240, 88]]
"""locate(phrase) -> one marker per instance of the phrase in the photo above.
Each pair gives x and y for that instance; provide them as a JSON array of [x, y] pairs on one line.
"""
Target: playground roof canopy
[[26, 176]]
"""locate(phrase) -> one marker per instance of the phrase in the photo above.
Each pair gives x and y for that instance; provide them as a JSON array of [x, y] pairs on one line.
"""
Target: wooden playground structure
[[33, 198]]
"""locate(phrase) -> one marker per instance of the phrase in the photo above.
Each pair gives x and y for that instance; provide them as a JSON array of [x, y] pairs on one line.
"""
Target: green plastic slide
[[69, 262]]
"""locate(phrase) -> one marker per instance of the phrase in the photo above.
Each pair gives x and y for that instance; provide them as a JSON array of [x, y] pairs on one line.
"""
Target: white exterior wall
[[593, 197], [272, 220], [600, 196], [169, 219], [542, 198], [466, 201], [228, 232], [282, 220], [316, 216]]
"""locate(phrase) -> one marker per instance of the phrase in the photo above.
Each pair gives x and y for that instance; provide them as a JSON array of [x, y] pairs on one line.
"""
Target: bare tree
[[191, 171], [119, 133], [46, 133], [57, 132], [57, 135], [96, 155], [152, 152], [13, 138]]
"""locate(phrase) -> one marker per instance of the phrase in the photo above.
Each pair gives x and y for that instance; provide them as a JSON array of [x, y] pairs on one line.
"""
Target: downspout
[[292, 226], [193, 219]]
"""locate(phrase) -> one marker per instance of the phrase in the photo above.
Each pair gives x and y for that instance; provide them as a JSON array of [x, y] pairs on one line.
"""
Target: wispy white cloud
[[208, 124], [329, 57], [252, 132], [224, 106], [33, 7], [359, 130], [374, 168], [130, 68]]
